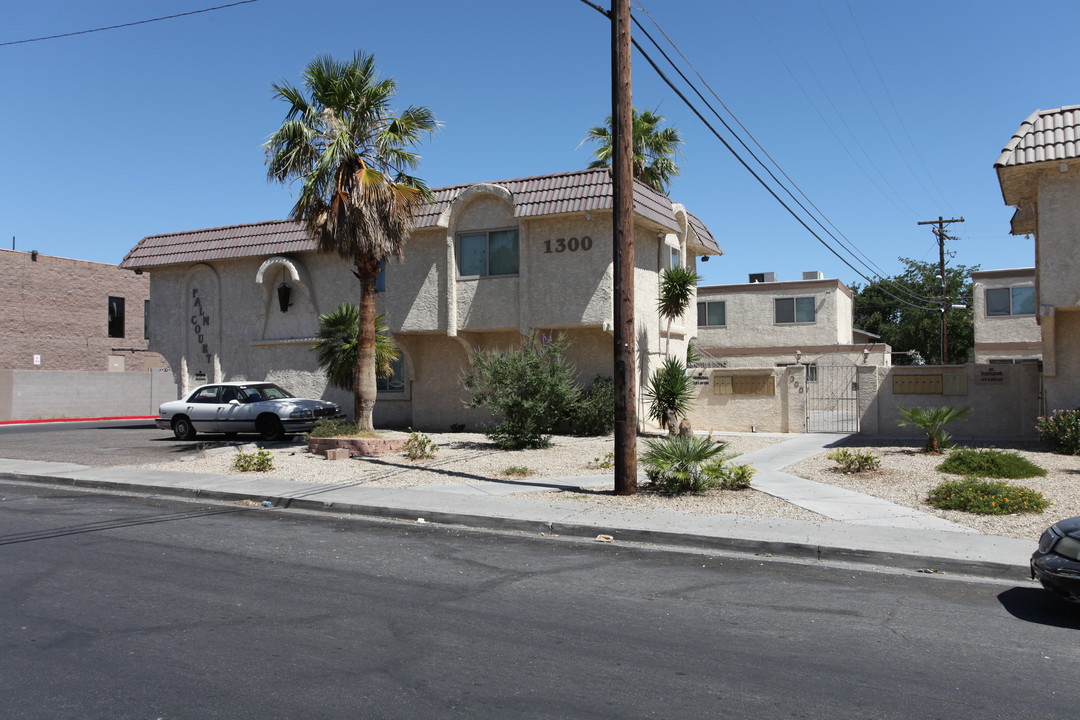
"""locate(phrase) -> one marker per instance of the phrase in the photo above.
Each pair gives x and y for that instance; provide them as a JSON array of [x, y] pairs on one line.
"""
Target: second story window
[[494, 252], [1010, 301], [794, 310], [711, 313], [116, 317]]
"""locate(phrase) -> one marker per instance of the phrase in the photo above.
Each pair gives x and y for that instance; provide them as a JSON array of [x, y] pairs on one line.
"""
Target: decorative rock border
[[358, 446]]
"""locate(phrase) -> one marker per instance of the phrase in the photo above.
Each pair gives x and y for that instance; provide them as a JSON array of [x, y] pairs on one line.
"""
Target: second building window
[[488, 253]]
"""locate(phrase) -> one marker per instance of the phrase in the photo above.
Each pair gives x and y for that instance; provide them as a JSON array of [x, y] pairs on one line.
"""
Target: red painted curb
[[93, 419]]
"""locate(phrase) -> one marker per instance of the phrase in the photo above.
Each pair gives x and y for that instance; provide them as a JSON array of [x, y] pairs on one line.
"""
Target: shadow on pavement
[[1040, 606]]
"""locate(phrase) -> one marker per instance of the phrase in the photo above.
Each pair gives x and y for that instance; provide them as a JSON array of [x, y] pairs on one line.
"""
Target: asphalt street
[[125, 607]]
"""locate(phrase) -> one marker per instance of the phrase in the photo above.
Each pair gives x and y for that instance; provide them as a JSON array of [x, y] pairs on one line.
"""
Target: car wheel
[[183, 429], [269, 428]]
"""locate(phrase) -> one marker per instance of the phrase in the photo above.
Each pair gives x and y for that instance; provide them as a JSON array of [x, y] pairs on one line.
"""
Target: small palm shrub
[[1061, 431], [986, 497], [261, 460], [419, 447], [669, 392], [932, 421], [674, 464], [594, 412], [855, 461], [989, 463]]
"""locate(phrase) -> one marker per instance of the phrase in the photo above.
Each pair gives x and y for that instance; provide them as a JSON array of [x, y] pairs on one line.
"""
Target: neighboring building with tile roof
[[485, 263], [1039, 173]]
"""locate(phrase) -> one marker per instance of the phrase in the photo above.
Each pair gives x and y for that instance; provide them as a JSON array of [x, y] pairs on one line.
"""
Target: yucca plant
[[932, 422], [669, 392]]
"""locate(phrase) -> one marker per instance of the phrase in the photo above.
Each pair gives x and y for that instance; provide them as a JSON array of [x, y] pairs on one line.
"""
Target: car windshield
[[267, 391]]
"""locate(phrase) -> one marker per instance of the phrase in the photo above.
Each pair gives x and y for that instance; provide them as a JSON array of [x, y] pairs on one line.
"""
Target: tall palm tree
[[654, 149], [352, 155]]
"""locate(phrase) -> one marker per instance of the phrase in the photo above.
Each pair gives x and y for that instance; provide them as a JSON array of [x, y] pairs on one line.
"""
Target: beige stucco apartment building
[[1039, 173], [485, 263], [776, 323], [1004, 308]]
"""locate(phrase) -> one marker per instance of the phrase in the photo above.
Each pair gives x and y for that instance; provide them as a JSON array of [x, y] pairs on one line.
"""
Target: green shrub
[[853, 461], [517, 471], [729, 476], [669, 392], [674, 464], [989, 463], [419, 447], [986, 497], [259, 461], [602, 463], [338, 428], [529, 390], [594, 412], [1061, 431]]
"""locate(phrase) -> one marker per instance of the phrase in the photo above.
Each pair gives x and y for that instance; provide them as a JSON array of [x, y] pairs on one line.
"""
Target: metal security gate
[[832, 395]]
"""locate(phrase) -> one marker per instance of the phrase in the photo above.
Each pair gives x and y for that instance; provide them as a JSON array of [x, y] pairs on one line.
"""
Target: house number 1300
[[572, 244]]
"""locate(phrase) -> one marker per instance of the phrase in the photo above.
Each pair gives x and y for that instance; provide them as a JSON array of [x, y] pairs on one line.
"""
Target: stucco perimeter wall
[[1005, 398], [1063, 388], [42, 394], [781, 410], [876, 354]]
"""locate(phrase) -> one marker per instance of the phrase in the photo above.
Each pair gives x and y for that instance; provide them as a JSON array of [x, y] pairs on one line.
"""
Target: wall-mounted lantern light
[[284, 292]]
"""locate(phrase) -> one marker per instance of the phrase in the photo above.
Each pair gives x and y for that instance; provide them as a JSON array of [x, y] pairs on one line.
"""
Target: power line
[[757, 177], [851, 248], [124, 25]]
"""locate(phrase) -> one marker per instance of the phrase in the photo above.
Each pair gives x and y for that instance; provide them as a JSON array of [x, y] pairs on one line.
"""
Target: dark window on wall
[[380, 279], [395, 383], [146, 319], [710, 314], [1010, 301], [116, 317], [494, 252], [794, 310]]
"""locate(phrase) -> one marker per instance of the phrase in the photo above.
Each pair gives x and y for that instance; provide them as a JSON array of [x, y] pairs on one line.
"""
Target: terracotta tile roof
[[1047, 135], [569, 192]]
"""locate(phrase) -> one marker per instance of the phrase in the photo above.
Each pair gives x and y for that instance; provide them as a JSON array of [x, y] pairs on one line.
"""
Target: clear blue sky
[[884, 113]]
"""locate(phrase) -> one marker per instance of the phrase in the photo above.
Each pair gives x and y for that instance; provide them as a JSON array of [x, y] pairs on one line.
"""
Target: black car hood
[[1070, 526]]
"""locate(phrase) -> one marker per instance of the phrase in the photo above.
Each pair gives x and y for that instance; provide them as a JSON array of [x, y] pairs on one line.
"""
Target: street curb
[[780, 549]]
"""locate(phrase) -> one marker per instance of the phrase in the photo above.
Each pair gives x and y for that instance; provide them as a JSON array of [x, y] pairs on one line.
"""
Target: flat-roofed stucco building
[[485, 263], [768, 322], [1005, 311], [1039, 174]]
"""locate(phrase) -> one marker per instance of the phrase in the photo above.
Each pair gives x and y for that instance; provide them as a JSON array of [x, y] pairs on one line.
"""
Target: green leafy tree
[[911, 324], [352, 156], [337, 350], [530, 390], [654, 149]]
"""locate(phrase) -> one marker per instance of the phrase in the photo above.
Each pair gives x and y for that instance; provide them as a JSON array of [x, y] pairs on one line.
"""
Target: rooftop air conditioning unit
[[762, 277], [813, 275]]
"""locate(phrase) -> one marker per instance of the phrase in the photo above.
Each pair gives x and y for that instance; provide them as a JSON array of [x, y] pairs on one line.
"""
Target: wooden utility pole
[[945, 304], [623, 241]]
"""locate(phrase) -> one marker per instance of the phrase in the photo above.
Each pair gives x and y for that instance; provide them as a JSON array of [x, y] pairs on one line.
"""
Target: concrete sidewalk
[[854, 527]]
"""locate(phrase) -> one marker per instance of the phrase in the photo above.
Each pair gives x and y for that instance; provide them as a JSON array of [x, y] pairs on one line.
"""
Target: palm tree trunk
[[366, 389]]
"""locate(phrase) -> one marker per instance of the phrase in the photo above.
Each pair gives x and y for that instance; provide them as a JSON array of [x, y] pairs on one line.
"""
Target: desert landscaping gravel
[[905, 477]]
